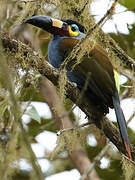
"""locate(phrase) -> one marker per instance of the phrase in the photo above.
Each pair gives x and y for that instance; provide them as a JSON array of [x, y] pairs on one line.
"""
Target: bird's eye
[[74, 28]]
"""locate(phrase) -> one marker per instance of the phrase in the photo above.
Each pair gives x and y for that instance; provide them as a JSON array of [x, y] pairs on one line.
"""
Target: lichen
[[128, 169]]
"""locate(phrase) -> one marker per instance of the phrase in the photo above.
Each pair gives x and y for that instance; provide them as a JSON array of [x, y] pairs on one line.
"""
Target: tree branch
[[96, 160], [24, 55], [78, 155]]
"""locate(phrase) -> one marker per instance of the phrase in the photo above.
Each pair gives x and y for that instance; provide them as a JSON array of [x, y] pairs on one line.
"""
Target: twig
[[81, 11], [73, 128], [96, 160], [108, 13], [131, 117]]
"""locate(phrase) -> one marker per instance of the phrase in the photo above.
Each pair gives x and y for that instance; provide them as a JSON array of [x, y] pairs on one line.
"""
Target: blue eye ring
[[74, 28]]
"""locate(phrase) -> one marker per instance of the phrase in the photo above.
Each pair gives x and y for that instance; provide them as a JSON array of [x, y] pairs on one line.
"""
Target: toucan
[[102, 86]]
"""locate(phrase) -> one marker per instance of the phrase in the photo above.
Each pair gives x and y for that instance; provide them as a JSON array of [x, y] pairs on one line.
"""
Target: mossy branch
[[16, 111], [33, 60]]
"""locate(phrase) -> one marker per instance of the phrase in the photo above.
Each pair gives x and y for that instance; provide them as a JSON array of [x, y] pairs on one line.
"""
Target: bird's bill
[[51, 25]]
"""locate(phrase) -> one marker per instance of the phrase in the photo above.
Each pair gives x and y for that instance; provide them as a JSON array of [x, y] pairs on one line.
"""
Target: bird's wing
[[97, 64], [102, 85]]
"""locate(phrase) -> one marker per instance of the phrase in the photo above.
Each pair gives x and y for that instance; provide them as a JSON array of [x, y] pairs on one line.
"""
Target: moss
[[128, 169]]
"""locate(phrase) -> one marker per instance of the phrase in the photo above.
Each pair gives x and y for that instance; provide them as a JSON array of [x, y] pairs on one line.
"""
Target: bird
[[102, 86]]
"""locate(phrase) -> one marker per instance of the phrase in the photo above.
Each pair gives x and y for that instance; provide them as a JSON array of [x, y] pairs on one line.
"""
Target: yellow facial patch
[[72, 33], [57, 23], [116, 77]]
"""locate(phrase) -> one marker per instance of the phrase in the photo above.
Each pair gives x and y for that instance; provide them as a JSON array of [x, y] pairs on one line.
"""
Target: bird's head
[[65, 27]]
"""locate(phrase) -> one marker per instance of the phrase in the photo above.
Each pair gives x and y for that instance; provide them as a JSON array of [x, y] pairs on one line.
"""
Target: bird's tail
[[121, 123]]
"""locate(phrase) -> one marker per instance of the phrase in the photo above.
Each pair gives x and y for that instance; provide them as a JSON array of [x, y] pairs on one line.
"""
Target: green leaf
[[33, 114], [127, 3]]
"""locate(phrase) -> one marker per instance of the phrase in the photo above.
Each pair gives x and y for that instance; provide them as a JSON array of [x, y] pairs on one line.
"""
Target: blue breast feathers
[[56, 58]]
